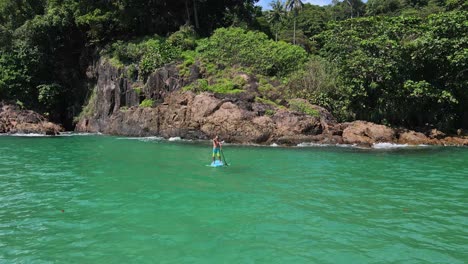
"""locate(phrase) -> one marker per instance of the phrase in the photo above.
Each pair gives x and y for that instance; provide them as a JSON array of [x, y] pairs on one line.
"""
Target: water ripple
[[99, 199]]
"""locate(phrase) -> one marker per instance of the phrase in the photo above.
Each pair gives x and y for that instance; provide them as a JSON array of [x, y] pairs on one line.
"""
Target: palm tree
[[294, 6], [275, 15]]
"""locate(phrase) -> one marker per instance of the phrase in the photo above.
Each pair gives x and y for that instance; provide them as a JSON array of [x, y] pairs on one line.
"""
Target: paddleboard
[[216, 163]]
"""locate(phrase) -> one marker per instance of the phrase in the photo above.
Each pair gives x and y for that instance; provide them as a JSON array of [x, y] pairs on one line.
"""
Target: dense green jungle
[[394, 62]]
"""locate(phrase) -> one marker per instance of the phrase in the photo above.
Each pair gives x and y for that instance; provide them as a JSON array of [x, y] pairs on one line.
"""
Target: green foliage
[[209, 68], [225, 86], [302, 106], [189, 58], [14, 13], [147, 103], [157, 55], [143, 56], [184, 39], [16, 69], [50, 95], [138, 89], [200, 85], [267, 102], [378, 7], [276, 16], [116, 63], [220, 85], [319, 82], [405, 70], [269, 112], [98, 23], [457, 5], [264, 86], [231, 46], [89, 107]]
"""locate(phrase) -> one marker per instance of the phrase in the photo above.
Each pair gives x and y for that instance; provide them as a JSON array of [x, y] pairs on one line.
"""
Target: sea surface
[[102, 199]]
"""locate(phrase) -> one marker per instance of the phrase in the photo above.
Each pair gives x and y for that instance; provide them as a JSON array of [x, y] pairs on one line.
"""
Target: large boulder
[[454, 141], [14, 120], [414, 138], [367, 133], [290, 123], [234, 124]]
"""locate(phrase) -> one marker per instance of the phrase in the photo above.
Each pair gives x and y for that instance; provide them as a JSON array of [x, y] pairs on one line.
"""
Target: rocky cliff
[[114, 108]]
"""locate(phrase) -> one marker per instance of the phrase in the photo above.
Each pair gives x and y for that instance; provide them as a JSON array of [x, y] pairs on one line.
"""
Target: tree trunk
[[195, 13], [351, 6], [276, 31], [188, 12], [294, 32]]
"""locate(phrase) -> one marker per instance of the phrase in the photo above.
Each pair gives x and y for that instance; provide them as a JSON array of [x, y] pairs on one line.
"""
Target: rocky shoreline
[[114, 109], [236, 118], [190, 116], [14, 120]]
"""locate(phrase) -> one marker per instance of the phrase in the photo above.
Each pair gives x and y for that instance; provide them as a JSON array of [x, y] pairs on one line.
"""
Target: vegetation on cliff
[[396, 62]]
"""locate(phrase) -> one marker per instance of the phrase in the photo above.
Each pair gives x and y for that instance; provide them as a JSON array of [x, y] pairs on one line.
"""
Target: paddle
[[224, 159]]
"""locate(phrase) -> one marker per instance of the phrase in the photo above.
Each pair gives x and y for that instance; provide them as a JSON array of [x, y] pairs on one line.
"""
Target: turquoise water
[[149, 201]]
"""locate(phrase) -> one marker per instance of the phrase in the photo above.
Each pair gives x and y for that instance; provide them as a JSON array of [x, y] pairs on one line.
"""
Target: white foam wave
[[273, 145], [347, 145], [26, 135], [389, 146], [311, 144], [73, 134], [175, 139], [142, 138]]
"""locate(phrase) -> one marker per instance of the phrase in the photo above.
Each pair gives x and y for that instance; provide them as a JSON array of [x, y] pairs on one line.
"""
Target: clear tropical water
[[98, 199]]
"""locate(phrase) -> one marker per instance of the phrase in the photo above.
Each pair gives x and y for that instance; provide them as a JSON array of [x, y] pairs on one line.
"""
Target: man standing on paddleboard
[[216, 149]]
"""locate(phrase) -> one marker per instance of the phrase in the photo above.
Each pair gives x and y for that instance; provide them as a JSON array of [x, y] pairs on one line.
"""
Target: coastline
[[115, 108], [375, 146]]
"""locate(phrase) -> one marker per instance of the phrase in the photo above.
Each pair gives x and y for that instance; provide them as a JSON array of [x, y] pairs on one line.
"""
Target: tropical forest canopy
[[396, 62]]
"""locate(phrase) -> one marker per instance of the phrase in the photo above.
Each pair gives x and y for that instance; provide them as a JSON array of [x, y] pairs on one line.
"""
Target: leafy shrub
[[89, 108], [189, 57], [200, 85], [264, 86], [143, 56], [302, 106], [266, 101], [225, 86], [147, 103], [221, 86], [318, 82], [49, 95], [184, 39], [156, 55], [231, 46]]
